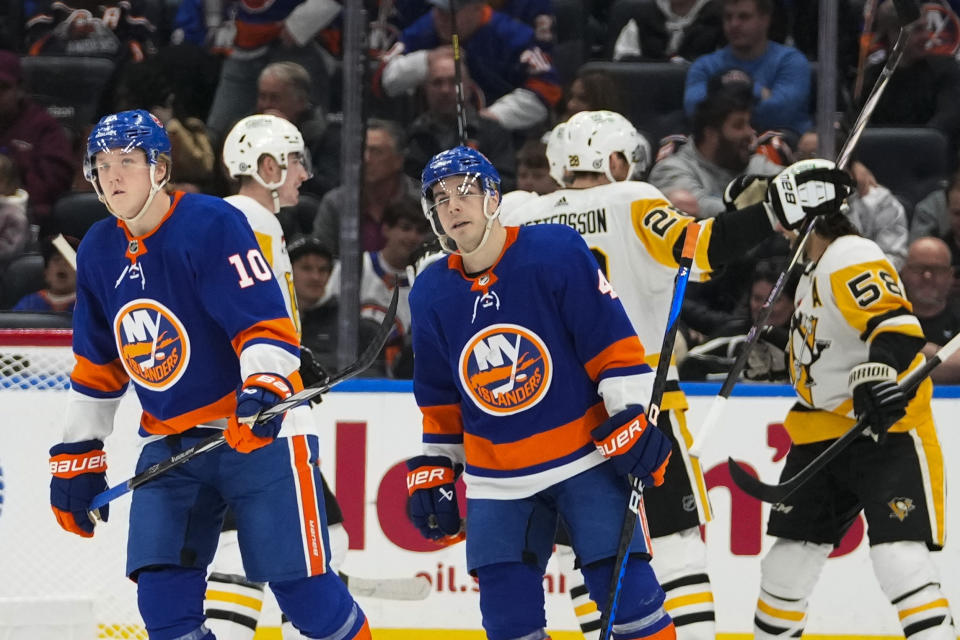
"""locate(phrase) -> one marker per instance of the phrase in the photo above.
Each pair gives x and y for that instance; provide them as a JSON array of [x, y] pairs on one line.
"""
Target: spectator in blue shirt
[[780, 74]]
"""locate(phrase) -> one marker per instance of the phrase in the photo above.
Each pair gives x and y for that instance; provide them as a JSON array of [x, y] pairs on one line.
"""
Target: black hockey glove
[[877, 398], [312, 372]]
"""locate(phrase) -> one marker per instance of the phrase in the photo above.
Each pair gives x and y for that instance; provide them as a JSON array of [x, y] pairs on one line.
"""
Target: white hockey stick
[[415, 588]]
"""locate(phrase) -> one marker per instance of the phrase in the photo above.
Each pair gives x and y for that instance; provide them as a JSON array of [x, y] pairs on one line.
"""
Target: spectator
[[14, 231], [121, 30], [35, 141], [404, 229], [767, 360], [145, 85], [780, 74], [283, 89], [674, 30], [383, 182], [874, 210], [312, 266], [952, 236], [517, 78], [924, 90], [535, 13], [592, 91], [931, 217], [265, 33], [436, 129], [533, 169], [722, 148], [929, 278], [60, 278]]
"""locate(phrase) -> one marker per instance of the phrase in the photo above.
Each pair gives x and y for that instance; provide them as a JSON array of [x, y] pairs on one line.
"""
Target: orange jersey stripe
[[102, 377], [536, 449], [626, 352], [279, 329], [549, 91], [225, 407], [312, 536], [442, 419]]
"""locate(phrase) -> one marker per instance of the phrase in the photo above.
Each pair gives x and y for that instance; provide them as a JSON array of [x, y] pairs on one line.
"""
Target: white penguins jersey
[[631, 228], [843, 302], [273, 245]]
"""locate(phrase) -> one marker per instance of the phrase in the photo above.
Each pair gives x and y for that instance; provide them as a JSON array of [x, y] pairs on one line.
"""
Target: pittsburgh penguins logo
[[505, 369], [901, 508], [805, 351], [152, 343]]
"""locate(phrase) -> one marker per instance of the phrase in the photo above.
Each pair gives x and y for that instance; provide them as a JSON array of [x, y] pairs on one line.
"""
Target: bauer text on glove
[[634, 446]]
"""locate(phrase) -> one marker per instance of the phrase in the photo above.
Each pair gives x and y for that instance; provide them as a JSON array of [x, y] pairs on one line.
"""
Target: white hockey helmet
[[556, 153], [255, 136], [591, 136]]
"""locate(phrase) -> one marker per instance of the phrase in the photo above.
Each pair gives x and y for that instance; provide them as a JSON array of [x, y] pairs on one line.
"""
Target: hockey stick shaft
[[631, 513], [301, 397], [415, 588], [458, 75], [779, 492], [715, 412]]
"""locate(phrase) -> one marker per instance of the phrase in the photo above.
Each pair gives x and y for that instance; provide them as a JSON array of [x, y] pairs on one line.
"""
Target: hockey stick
[[301, 397], [775, 493], [632, 512], [907, 13], [458, 75], [415, 588]]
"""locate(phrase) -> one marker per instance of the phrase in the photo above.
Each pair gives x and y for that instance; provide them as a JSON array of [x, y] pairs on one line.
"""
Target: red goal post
[[56, 584]]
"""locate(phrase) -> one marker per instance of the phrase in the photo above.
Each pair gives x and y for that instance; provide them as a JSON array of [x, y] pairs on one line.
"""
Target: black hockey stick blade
[[775, 493], [365, 360]]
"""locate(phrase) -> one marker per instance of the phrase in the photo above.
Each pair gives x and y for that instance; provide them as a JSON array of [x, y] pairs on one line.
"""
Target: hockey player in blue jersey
[[532, 383], [176, 296]]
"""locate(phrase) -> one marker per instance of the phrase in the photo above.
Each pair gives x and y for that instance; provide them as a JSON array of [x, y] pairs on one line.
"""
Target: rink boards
[[367, 434]]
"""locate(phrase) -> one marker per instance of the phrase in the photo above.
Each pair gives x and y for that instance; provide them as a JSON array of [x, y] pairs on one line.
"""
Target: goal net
[[54, 584]]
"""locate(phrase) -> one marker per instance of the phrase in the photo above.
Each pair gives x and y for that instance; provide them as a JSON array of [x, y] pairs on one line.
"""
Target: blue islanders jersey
[[515, 366], [186, 312]]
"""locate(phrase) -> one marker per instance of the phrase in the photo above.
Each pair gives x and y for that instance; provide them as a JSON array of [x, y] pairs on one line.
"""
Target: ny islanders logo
[[152, 344], [505, 369]]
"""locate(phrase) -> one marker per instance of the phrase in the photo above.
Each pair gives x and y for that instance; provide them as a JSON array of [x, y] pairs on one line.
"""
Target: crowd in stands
[[721, 88]]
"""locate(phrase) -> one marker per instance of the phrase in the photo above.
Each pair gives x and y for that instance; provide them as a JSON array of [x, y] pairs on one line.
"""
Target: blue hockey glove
[[877, 398], [634, 446], [432, 505], [79, 473], [260, 391]]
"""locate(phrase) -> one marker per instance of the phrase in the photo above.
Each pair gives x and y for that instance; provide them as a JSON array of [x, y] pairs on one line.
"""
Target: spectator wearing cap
[[35, 141], [383, 182], [60, 295], [436, 129], [780, 75], [518, 81]]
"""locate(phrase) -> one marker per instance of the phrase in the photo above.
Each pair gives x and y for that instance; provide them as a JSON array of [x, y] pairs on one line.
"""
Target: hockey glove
[[807, 188], [745, 190], [433, 497], [312, 373], [877, 398], [260, 391], [634, 446], [79, 473]]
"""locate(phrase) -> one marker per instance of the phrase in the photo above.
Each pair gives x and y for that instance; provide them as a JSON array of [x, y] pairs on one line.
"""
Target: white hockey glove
[[807, 188], [745, 190]]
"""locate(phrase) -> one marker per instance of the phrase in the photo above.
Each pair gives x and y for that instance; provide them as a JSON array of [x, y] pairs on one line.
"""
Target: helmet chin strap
[[273, 187], [154, 188]]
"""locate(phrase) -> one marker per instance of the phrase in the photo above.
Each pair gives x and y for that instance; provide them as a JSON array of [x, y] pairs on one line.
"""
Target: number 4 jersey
[[843, 302], [186, 311]]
